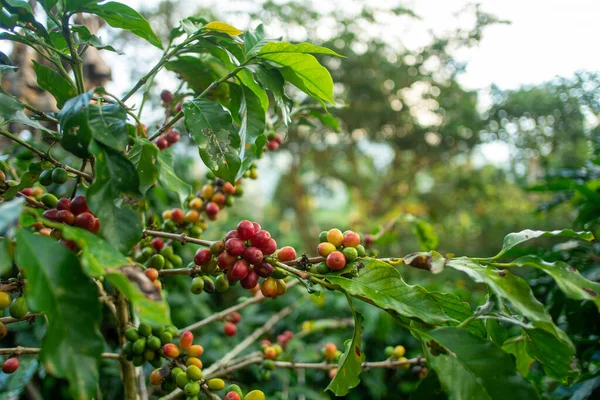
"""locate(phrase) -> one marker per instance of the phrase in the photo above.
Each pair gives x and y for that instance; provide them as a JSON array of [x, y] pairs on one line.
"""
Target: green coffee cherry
[[323, 237], [191, 389], [167, 252], [157, 331], [153, 343], [46, 178], [172, 330], [139, 346], [166, 337], [49, 200], [389, 350], [181, 380], [59, 176], [132, 334], [197, 285], [145, 329], [168, 386], [157, 362], [176, 260], [149, 355], [235, 388], [194, 373], [127, 349], [18, 308], [350, 253], [322, 268], [361, 250], [138, 360], [157, 261], [216, 384], [221, 283], [268, 365]]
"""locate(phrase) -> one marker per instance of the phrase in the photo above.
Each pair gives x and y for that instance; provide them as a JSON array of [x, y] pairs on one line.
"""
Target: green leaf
[[513, 239], [568, 279], [169, 180], [211, 127], [245, 77], [51, 81], [429, 389], [350, 362], [99, 258], [380, 284], [517, 349], [108, 125], [48, 4], [254, 40], [56, 286], [431, 261], [10, 211], [74, 125], [459, 311], [75, 5], [11, 386], [5, 257], [115, 177], [426, 236], [122, 16], [83, 36], [302, 48], [305, 72], [273, 81], [26, 181], [12, 110], [144, 155], [473, 368], [252, 130]]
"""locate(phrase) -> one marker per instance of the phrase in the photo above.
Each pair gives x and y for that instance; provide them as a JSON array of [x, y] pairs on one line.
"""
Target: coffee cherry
[[139, 346], [50, 200], [157, 261], [182, 380], [18, 308], [228, 188], [260, 238], [257, 226], [166, 96], [59, 176], [221, 283], [158, 243], [368, 240], [202, 257], [4, 300], [399, 351], [195, 203], [325, 248], [253, 255], [162, 143], [232, 396], [166, 215], [235, 247], [230, 329], [177, 215], [264, 269], [250, 281], [10, 365], [226, 260], [132, 334], [195, 351], [406, 364], [64, 204], [193, 361], [255, 395], [361, 250], [218, 198], [235, 317], [286, 253], [269, 288], [197, 285], [329, 351], [335, 237], [389, 351], [153, 343], [3, 330], [336, 261], [66, 217], [216, 384], [170, 350], [151, 273], [145, 329], [79, 205], [281, 287], [245, 230], [179, 107], [186, 340], [269, 247], [157, 377], [172, 137], [270, 353], [45, 178], [232, 234], [240, 270], [166, 337], [332, 373], [350, 254], [351, 239], [209, 286], [191, 217], [85, 221], [194, 373], [212, 209]]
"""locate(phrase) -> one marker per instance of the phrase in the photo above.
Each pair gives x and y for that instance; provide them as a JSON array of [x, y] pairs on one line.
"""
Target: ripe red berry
[[96, 227], [152, 274], [246, 230], [177, 215], [235, 247], [286, 253], [64, 204], [230, 329], [166, 96], [253, 255], [158, 243], [186, 340], [272, 145], [351, 239], [278, 138], [265, 343], [212, 209], [240, 270], [173, 137], [231, 234], [232, 396], [257, 226], [368, 240], [226, 260], [79, 205], [235, 317], [162, 143], [10, 365], [228, 188], [288, 334], [51, 215], [69, 244], [85, 221], [270, 353], [170, 350], [66, 216], [330, 350], [336, 261], [179, 106], [269, 247], [202, 257], [260, 238], [264, 269], [27, 192], [250, 281], [332, 373]]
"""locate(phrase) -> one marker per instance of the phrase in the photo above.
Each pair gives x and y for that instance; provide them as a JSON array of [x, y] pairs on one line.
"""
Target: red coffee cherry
[[240, 270], [212, 209], [260, 238], [66, 216], [250, 281], [179, 107], [278, 138], [170, 350], [286, 253], [257, 226], [158, 243], [226, 260], [336, 261], [96, 227], [232, 234], [79, 205], [166, 96], [51, 215], [203, 257], [230, 329], [235, 247], [332, 373], [85, 221], [173, 137], [264, 269], [162, 143], [232, 396], [10, 365], [177, 215], [330, 351], [27, 192], [368, 240], [235, 317], [269, 247], [246, 230], [351, 239], [272, 145], [186, 340], [69, 244], [253, 255], [64, 204]]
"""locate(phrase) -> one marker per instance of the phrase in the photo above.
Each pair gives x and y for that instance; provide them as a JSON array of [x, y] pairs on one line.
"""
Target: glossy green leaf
[[108, 125], [380, 284], [56, 286], [305, 72], [169, 180], [513, 239], [5, 257], [247, 80], [11, 386], [115, 177], [74, 125], [517, 349], [211, 127], [48, 4], [12, 110], [568, 279], [272, 80], [50, 80], [9, 214], [144, 155], [429, 389], [459, 311], [254, 40], [302, 48], [470, 367], [350, 362], [75, 5], [252, 130], [119, 15]]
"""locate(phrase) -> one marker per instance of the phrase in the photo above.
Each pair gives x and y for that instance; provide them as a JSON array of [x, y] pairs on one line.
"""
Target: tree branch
[[127, 368], [23, 351], [179, 237]]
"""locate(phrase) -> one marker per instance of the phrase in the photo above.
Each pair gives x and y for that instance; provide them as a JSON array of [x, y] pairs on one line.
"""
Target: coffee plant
[[89, 255]]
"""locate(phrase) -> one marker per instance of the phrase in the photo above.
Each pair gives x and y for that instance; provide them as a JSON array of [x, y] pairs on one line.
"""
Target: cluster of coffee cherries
[[273, 142], [271, 351], [396, 353], [17, 308], [331, 354], [56, 175], [170, 137], [339, 248], [145, 343], [156, 255], [70, 212], [231, 321], [215, 195]]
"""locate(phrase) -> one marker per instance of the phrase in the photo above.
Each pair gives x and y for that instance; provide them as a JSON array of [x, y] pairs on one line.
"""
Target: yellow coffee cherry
[[399, 351]]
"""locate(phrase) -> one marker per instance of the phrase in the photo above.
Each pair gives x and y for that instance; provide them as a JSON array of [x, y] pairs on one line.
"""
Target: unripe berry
[[156, 377], [66, 217], [228, 188], [10, 365], [269, 288], [332, 373], [197, 285], [85, 221], [177, 215], [399, 351], [286, 253], [281, 287], [335, 237], [158, 243], [4, 300], [406, 364], [330, 350], [218, 198], [212, 209], [270, 353], [79, 205], [230, 329], [325, 248], [195, 351], [350, 254], [360, 249], [182, 380], [216, 384], [336, 261], [250, 281], [260, 238], [195, 203], [235, 247], [193, 361], [351, 239], [145, 329], [202, 257], [253, 255], [269, 247], [153, 343], [166, 96], [191, 216], [389, 351], [245, 230], [186, 340], [170, 350], [255, 395], [172, 137], [151, 273], [162, 143], [194, 373], [264, 269], [226, 260]]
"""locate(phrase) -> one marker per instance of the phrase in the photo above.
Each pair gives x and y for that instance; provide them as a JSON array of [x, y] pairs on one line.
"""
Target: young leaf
[[74, 125], [122, 16], [513, 239], [169, 180], [116, 176], [108, 125], [350, 363], [211, 127], [56, 286], [144, 155], [380, 284], [12, 110], [304, 48], [470, 367], [222, 27], [252, 130], [50, 80], [517, 349], [254, 40], [85, 37]]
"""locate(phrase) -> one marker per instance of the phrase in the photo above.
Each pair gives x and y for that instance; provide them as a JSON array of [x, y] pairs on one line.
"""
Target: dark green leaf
[[56, 286], [429, 389], [273, 81], [252, 129], [50, 80], [74, 125], [85, 37], [254, 40], [169, 180], [75, 5], [9, 214], [513, 239], [116, 176], [459, 311], [108, 125], [5, 258], [517, 348], [144, 155], [211, 127], [122, 16], [380, 284], [48, 4], [12, 110]]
